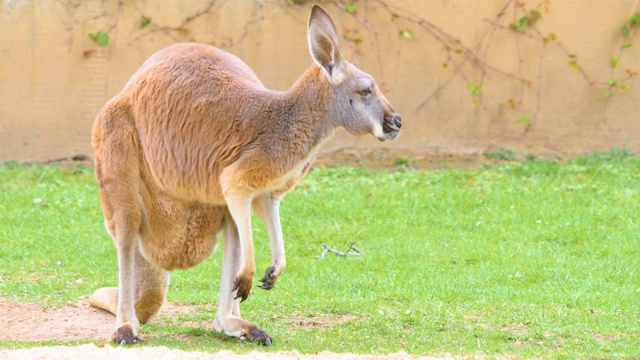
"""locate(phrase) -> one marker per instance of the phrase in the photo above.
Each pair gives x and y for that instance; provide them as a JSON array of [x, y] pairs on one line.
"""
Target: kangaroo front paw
[[243, 286], [269, 278], [125, 335], [255, 333]]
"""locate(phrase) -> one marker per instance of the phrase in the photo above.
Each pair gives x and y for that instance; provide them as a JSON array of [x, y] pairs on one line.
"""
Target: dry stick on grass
[[355, 250]]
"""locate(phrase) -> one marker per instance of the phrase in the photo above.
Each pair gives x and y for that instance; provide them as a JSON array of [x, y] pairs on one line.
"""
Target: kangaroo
[[195, 142]]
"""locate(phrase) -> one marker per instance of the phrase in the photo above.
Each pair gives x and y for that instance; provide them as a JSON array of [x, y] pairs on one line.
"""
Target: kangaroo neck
[[301, 113]]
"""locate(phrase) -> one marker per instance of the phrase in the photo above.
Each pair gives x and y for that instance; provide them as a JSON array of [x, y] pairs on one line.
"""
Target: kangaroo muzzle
[[391, 126]]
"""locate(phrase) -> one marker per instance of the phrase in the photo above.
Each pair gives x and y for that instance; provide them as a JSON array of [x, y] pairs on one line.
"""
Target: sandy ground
[[110, 353]]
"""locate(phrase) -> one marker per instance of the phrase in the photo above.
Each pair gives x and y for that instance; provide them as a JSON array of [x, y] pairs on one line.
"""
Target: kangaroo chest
[[288, 180]]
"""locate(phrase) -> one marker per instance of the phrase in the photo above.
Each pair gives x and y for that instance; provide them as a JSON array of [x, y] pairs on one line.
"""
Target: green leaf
[[625, 30], [535, 15], [406, 33], [573, 64], [607, 94], [612, 82], [350, 8], [635, 18], [101, 37], [356, 41], [523, 22], [613, 62], [626, 45], [524, 120], [475, 90], [144, 22]]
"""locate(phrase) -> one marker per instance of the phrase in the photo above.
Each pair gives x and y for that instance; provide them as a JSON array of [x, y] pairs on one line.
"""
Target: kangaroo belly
[[174, 235]]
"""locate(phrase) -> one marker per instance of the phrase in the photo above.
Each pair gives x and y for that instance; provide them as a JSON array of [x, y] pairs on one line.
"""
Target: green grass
[[534, 259]]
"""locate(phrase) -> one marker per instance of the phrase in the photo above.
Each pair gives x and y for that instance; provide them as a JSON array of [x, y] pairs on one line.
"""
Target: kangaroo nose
[[397, 121]]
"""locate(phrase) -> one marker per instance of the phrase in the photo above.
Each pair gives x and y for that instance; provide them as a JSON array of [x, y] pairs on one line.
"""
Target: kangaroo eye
[[365, 92]]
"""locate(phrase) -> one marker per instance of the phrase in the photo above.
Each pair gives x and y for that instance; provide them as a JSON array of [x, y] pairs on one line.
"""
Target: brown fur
[[195, 141]]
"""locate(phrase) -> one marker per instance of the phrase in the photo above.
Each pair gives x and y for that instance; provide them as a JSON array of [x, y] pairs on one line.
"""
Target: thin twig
[[362, 22], [352, 248], [168, 29]]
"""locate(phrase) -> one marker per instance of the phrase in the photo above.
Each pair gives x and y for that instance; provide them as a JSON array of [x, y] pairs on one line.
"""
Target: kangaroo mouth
[[391, 127], [390, 135]]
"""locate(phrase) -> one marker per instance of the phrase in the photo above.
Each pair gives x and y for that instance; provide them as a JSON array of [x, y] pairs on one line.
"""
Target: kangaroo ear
[[323, 43]]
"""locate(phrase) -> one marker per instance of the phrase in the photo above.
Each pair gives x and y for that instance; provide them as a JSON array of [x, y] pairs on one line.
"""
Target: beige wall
[[50, 92]]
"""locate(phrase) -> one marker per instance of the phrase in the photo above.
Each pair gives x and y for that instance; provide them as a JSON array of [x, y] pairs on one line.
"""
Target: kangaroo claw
[[260, 335], [269, 279]]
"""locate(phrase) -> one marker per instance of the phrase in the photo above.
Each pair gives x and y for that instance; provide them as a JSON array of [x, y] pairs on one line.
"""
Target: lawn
[[534, 258]]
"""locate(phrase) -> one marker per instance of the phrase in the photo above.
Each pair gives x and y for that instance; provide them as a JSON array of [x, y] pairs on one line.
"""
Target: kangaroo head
[[357, 103]]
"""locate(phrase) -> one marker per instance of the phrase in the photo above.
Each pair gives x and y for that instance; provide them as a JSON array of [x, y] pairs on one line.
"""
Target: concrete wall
[[54, 78]]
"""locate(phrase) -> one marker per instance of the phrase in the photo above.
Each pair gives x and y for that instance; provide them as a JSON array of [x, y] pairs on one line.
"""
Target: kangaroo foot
[[256, 333], [125, 335], [240, 328]]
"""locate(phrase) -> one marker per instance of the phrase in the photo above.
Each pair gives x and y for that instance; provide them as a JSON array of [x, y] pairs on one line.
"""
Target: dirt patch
[[30, 322], [516, 329], [316, 321]]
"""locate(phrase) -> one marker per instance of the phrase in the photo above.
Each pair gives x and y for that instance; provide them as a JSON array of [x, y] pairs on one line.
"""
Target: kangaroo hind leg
[[151, 285], [117, 166], [228, 317]]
